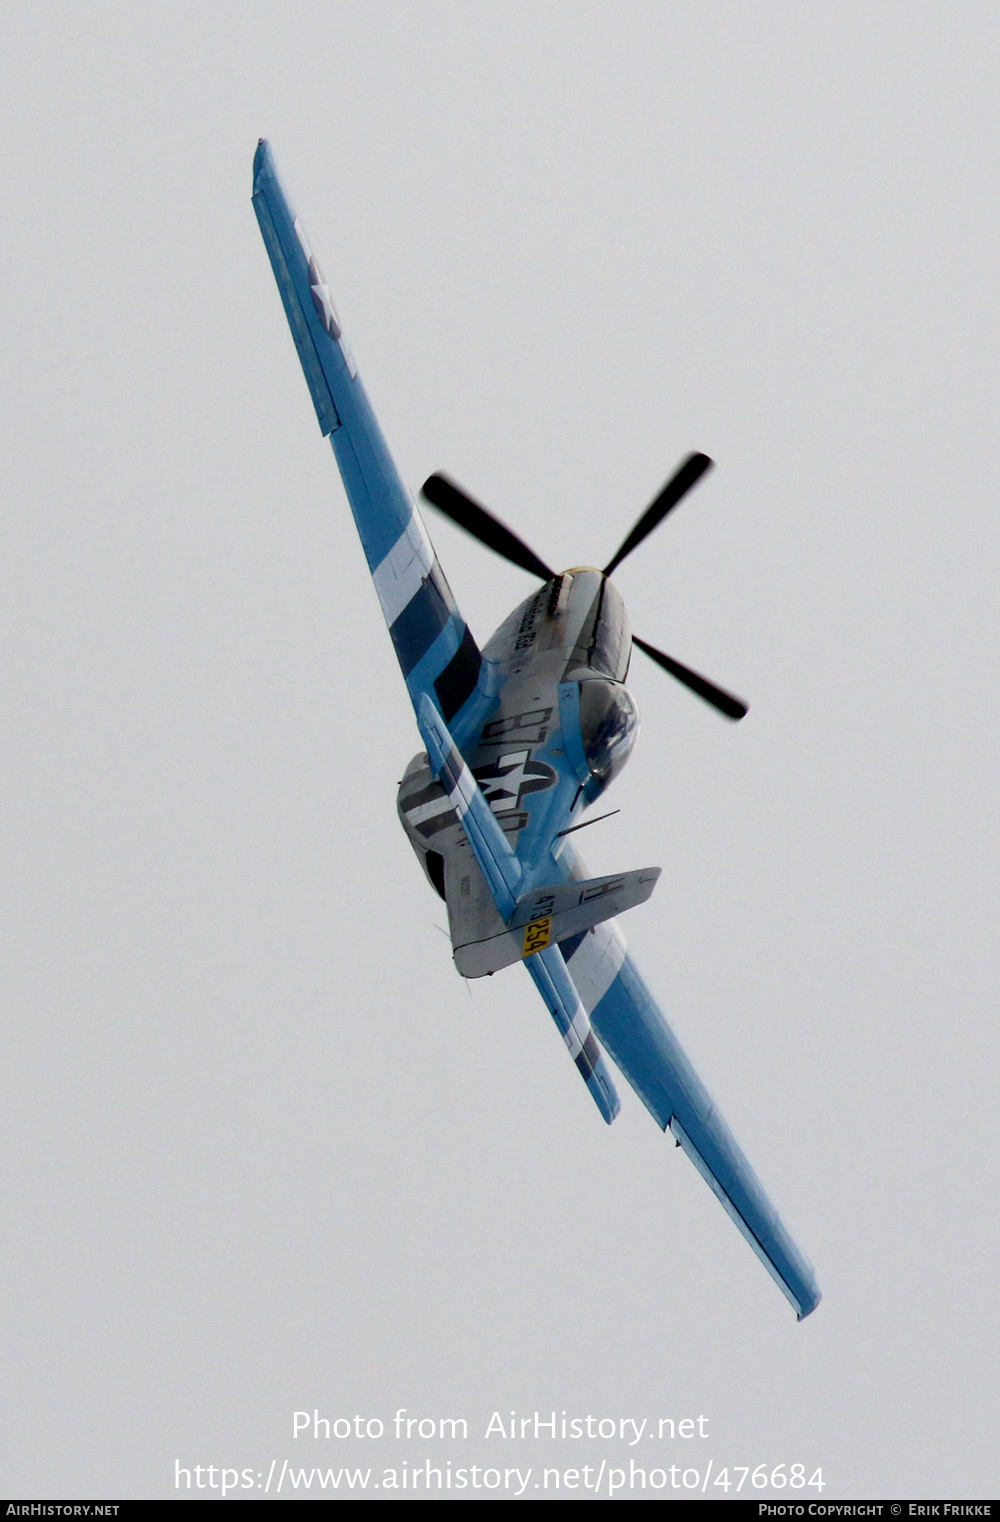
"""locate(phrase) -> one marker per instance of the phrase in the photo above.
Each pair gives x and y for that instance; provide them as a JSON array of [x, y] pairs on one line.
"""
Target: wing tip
[[263, 163], [808, 1306]]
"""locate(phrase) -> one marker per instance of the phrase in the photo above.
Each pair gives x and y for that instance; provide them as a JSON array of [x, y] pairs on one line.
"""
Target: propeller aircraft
[[520, 737]]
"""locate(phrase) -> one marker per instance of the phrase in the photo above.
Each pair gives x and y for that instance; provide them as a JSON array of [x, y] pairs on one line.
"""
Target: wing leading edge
[[435, 649]]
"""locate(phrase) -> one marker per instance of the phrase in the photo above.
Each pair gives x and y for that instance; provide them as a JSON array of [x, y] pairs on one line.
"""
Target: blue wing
[[629, 1023], [437, 653]]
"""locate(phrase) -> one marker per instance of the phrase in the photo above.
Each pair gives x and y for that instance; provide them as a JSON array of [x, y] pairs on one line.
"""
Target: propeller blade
[[681, 482], [481, 524], [723, 701]]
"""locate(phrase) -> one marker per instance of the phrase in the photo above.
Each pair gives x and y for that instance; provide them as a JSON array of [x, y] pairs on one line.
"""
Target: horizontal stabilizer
[[548, 915]]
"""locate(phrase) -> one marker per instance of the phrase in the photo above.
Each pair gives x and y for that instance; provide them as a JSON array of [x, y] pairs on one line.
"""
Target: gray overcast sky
[[261, 1149]]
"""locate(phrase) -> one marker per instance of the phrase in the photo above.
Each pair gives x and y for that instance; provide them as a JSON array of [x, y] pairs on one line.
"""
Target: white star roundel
[[322, 300]]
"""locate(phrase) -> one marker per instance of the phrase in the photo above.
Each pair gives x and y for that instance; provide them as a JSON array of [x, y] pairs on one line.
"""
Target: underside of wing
[[435, 649], [631, 1026]]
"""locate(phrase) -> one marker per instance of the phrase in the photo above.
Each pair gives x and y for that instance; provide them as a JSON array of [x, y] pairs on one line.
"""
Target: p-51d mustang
[[520, 738]]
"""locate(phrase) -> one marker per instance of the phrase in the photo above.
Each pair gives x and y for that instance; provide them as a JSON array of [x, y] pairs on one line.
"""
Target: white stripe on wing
[[397, 578]]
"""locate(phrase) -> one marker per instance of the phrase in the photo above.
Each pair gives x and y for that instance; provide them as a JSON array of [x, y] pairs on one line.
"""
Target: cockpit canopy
[[609, 725]]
